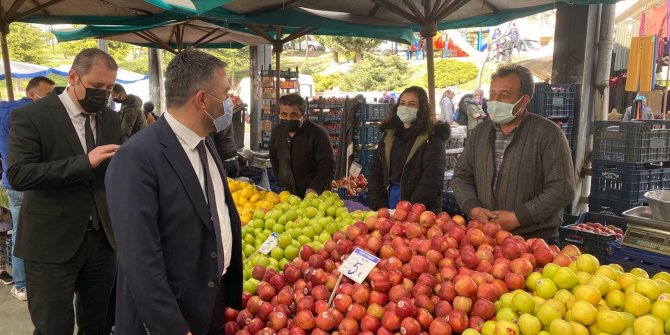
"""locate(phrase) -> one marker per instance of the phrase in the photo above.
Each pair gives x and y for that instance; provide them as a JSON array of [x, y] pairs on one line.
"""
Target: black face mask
[[94, 100], [292, 125]]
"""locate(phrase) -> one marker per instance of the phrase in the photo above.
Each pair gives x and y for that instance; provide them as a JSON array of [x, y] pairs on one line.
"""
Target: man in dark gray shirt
[[516, 168]]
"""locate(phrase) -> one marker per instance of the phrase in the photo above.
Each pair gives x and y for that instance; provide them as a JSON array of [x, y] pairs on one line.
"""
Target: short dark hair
[[293, 100], [189, 71], [118, 88], [525, 76], [148, 107], [36, 81], [85, 59]]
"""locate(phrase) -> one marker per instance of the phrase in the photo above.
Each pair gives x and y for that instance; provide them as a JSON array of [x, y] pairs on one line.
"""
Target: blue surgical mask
[[222, 122]]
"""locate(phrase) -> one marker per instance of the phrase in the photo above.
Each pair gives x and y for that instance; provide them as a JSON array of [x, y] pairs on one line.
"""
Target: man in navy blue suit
[[177, 229]]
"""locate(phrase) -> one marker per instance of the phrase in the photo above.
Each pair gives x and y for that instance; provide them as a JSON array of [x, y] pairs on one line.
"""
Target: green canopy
[[172, 35]]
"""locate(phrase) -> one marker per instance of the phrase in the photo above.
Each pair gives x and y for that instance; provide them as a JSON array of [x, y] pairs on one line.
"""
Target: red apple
[[458, 321], [391, 321], [370, 323], [277, 320], [466, 287], [463, 304], [439, 327], [443, 308], [409, 326], [326, 321], [356, 312], [405, 308], [484, 308], [342, 302], [348, 327], [522, 266], [488, 291], [514, 281]]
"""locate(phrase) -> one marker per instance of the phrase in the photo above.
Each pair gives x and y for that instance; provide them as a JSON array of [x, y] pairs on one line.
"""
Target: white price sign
[[358, 265], [355, 169], [269, 244]]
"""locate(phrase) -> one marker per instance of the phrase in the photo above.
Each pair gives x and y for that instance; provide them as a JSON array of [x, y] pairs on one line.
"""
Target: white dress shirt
[[78, 118], [189, 141]]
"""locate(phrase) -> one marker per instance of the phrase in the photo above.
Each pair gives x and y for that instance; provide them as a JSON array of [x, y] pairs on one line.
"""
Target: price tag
[[358, 265], [355, 169], [269, 244]]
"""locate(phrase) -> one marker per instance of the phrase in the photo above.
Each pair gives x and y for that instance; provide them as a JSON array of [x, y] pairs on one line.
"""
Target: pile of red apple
[[598, 228], [352, 185], [435, 276]]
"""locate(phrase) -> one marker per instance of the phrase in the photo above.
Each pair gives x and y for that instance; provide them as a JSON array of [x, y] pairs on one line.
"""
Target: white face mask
[[407, 114], [222, 122], [501, 112]]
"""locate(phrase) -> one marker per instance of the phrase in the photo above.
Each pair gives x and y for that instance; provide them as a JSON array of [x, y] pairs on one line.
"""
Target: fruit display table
[[412, 272]]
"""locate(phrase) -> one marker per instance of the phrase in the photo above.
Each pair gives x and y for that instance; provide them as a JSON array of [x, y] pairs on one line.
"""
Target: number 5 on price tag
[[269, 244], [358, 265]]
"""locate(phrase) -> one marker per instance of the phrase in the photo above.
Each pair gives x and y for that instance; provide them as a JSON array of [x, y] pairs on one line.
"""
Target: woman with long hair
[[409, 162]]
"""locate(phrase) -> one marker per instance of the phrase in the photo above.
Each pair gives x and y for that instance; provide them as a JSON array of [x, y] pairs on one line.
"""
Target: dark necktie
[[90, 144], [211, 200], [88, 133]]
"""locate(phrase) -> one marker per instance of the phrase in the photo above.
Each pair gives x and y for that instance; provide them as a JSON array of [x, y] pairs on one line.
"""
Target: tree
[[237, 59], [71, 49], [377, 74], [451, 72], [352, 47], [26, 43]]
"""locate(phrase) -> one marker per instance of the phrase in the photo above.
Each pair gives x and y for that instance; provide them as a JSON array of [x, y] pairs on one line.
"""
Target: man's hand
[[310, 190], [476, 115], [507, 220], [99, 154], [482, 214]]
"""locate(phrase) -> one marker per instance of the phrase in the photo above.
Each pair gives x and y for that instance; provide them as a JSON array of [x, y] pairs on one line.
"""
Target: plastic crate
[[591, 243], [449, 203], [632, 141], [554, 102], [609, 206], [373, 112], [630, 258], [625, 181], [367, 135], [666, 178], [331, 117], [567, 128]]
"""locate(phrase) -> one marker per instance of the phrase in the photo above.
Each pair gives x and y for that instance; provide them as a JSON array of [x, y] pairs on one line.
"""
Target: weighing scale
[[643, 232]]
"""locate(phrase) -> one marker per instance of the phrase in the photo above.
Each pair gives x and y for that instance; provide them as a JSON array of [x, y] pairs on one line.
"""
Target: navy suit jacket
[[167, 277]]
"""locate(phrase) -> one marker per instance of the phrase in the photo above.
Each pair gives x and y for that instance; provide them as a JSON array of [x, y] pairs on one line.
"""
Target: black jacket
[[304, 161], [423, 175], [47, 162]]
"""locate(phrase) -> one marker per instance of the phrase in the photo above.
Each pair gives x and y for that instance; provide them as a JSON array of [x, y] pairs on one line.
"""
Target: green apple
[[291, 252], [529, 324], [284, 240]]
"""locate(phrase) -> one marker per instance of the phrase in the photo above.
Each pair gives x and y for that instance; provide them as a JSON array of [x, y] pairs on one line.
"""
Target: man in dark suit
[[59, 148], [177, 229]]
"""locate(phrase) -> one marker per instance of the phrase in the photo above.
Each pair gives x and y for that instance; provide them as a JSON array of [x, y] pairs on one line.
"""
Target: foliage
[[451, 72], [326, 82], [70, 49], [352, 47], [27, 43], [377, 74], [237, 59]]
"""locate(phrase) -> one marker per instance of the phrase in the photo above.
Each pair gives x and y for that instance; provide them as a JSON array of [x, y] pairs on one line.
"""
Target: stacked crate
[[367, 133], [629, 159], [556, 103], [453, 149]]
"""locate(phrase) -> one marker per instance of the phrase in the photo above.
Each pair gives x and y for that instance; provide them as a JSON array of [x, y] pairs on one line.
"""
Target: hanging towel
[[641, 64]]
